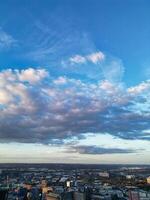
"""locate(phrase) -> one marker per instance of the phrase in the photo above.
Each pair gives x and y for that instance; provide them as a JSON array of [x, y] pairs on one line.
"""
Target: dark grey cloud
[[98, 150]]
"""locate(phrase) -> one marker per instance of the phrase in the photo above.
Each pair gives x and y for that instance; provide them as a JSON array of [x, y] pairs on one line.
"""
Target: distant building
[[44, 183], [144, 195], [52, 196], [47, 189], [148, 180], [130, 177], [104, 174], [79, 196], [134, 195], [3, 194]]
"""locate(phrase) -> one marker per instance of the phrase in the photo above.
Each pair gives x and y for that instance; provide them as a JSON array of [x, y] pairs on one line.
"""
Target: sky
[[75, 81]]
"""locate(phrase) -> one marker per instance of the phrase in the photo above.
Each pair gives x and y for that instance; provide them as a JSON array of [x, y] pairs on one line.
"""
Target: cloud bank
[[38, 108], [98, 150]]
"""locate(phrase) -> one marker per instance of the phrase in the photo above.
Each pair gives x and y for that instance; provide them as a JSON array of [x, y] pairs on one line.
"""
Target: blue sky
[[74, 81]]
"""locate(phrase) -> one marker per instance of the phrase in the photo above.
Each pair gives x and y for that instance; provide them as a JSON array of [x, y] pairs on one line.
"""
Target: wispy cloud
[[96, 66], [54, 41], [113, 69], [6, 40]]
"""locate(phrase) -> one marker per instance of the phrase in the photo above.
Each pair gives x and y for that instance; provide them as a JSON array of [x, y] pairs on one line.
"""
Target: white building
[[148, 180], [104, 174]]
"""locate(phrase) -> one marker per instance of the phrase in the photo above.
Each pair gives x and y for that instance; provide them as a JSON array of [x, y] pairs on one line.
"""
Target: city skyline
[[74, 81]]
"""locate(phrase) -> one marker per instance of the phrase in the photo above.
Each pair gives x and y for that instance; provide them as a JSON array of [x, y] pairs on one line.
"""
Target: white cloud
[[96, 57], [93, 57], [31, 75], [26, 75], [5, 96], [77, 59], [60, 81], [138, 89]]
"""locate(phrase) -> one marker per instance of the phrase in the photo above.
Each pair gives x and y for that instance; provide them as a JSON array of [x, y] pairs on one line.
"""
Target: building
[[52, 196], [104, 174], [148, 180], [134, 195], [130, 177], [79, 196], [3, 194]]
